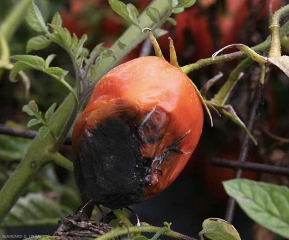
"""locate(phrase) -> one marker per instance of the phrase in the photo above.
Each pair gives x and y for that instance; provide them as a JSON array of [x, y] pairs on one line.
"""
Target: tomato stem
[[275, 50], [145, 228]]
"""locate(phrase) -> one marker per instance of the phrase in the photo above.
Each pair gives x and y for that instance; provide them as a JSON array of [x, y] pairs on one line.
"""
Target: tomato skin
[[159, 106]]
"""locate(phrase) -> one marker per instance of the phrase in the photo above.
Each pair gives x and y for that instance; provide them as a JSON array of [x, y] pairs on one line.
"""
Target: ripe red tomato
[[137, 133]]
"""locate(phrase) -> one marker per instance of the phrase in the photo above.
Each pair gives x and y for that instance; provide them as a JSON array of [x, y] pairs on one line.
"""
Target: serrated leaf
[[35, 19], [31, 108], [43, 132], [50, 111], [34, 61], [119, 7], [19, 66], [64, 34], [281, 62], [33, 210], [132, 12], [219, 229], [56, 38], [153, 14], [56, 20], [59, 72], [49, 60], [127, 12], [266, 204], [33, 122], [78, 49], [229, 111], [95, 52], [73, 42], [37, 43]]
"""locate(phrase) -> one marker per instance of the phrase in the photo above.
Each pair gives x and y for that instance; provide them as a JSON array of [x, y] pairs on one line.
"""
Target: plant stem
[[62, 161], [275, 50], [149, 229], [122, 217], [14, 19], [262, 47], [221, 97]]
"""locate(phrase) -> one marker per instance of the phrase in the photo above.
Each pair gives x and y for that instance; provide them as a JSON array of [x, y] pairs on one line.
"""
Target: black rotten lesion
[[172, 147]]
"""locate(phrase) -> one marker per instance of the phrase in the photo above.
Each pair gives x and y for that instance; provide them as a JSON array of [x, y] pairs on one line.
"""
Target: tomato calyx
[[174, 62]]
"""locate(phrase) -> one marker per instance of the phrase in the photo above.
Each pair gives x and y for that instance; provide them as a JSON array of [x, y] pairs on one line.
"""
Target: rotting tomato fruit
[[137, 133]]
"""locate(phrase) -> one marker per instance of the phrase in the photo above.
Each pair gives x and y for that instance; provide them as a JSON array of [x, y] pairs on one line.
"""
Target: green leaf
[[59, 72], [63, 37], [107, 53], [119, 7], [281, 62], [50, 111], [172, 21], [186, 3], [19, 66], [78, 49], [178, 10], [33, 122], [55, 37], [35, 19], [37, 43], [128, 12], [95, 52], [266, 204], [174, 3], [219, 229], [132, 13], [31, 108], [43, 132], [49, 60], [121, 45], [33, 210], [33, 61], [153, 14], [56, 20]]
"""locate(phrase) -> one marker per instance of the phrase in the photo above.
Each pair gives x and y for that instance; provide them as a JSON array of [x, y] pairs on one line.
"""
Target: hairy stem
[[275, 50], [148, 229]]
